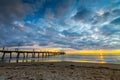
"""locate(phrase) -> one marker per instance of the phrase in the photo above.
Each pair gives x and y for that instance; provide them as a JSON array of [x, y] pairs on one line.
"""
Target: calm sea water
[[92, 58]]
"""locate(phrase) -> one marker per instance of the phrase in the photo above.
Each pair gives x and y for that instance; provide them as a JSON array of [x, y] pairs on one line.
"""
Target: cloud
[[116, 11], [49, 14], [79, 24], [82, 14], [116, 21], [70, 34], [107, 30], [12, 10], [63, 7]]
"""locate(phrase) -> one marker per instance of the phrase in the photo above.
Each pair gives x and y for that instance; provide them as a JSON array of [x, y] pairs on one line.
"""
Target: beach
[[59, 71]]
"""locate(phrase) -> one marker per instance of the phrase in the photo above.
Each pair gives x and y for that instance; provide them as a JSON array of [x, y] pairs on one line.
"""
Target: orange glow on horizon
[[116, 51], [72, 51]]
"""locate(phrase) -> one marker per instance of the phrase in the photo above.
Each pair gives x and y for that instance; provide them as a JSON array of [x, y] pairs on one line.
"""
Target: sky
[[77, 24]]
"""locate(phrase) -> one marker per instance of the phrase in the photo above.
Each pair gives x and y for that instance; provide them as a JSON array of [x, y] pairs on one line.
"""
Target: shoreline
[[59, 71], [63, 63]]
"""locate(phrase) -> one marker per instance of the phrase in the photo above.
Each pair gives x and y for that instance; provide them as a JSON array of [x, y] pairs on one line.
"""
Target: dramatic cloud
[[79, 24], [116, 21], [82, 15], [12, 10]]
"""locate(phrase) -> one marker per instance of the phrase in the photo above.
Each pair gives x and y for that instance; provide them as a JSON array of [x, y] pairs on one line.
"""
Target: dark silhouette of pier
[[26, 53]]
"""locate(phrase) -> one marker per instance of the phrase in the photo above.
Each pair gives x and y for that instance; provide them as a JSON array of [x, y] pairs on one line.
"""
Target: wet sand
[[59, 71]]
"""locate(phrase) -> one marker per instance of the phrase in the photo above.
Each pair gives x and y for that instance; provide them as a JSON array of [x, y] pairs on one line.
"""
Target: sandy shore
[[59, 71]]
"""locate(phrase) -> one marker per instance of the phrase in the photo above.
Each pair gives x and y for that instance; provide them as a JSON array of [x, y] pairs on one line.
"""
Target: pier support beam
[[38, 55], [33, 55], [18, 55], [3, 56], [42, 54], [23, 55], [10, 55], [27, 55]]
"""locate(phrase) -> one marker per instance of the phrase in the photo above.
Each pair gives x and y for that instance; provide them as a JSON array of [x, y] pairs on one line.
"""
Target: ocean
[[90, 58]]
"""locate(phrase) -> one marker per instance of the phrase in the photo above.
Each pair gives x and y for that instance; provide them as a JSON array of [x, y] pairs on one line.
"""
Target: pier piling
[[10, 55], [3, 55]]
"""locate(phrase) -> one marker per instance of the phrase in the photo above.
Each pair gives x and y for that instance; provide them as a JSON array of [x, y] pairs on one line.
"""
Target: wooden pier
[[26, 53]]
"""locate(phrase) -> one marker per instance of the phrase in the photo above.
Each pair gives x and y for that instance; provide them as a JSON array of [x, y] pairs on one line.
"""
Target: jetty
[[26, 53]]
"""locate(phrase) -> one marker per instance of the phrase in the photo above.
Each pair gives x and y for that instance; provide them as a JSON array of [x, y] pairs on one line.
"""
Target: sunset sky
[[74, 24]]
